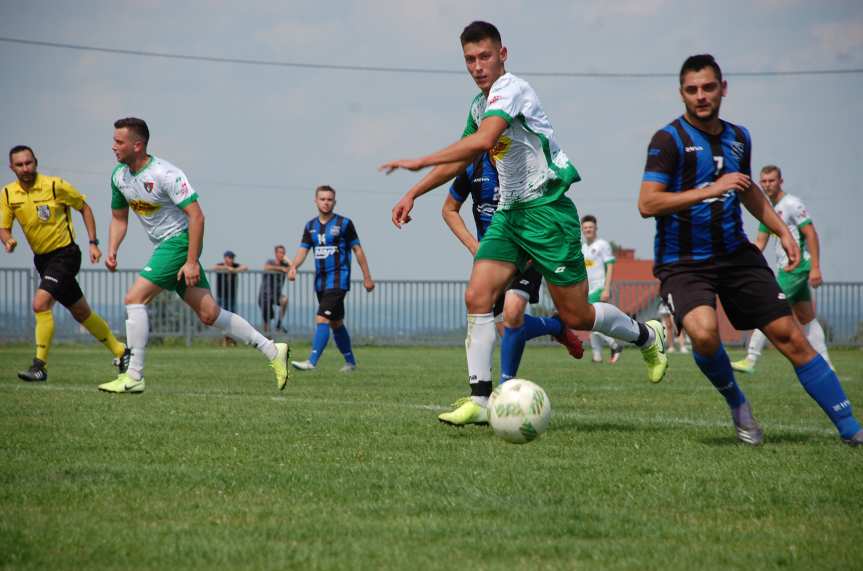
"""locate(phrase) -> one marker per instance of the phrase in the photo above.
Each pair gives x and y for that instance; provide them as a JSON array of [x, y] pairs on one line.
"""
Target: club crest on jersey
[[43, 212], [737, 149], [148, 185]]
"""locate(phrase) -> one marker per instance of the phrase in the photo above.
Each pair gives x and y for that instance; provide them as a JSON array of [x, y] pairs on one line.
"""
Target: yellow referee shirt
[[44, 211]]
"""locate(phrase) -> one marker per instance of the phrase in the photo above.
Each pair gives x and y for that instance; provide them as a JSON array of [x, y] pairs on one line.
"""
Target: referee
[[41, 205]]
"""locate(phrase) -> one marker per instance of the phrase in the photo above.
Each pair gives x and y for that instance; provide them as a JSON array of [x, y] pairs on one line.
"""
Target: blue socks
[[822, 384], [343, 342], [718, 369], [319, 342], [514, 340]]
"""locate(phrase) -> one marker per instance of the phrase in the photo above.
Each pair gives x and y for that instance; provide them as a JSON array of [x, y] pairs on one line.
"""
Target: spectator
[[271, 289]]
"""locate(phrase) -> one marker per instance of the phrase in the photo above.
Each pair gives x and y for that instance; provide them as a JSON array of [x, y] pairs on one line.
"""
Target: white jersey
[[596, 255], [793, 213], [529, 162], [157, 194]]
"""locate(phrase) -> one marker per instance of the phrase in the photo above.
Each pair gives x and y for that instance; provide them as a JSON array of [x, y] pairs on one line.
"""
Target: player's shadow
[[769, 439]]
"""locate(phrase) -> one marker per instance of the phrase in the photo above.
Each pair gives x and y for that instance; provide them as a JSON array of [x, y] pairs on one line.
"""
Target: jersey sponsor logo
[[149, 185], [322, 252], [43, 211], [588, 263], [501, 148], [142, 208]]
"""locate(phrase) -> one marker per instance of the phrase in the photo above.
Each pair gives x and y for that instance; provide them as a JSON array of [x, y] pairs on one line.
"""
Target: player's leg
[[514, 333], [137, 297], [208, 311], [43, 303], [757, 342], [328, 305], [99, 329], [816, 376], [597, 339], [803, 308], [487, 280], [343, 341]]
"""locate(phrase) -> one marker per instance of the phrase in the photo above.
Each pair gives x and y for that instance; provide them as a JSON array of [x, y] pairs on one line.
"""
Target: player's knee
[[477, 301], [704, 341], [40, 305], [208, 315]]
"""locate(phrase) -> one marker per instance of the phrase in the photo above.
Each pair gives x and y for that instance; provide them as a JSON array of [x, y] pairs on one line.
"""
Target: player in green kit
[[160, 195], [534, 221]]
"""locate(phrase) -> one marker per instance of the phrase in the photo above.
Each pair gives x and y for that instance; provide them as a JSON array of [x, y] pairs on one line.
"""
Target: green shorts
[[795, 285], [166, 261], [548, 234]]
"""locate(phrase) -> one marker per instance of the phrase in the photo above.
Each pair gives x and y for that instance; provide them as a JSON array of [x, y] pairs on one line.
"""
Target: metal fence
[[396, 312]]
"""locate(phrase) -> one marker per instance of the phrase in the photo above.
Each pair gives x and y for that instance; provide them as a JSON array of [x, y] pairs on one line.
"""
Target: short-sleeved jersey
[[795, 215], [682, 158], [479, 181], [533, 169], [157, 193], [44, 212], [331, 243], [597, 255]]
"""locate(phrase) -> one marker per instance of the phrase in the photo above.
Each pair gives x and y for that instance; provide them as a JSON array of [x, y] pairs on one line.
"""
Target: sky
[[255, 140]]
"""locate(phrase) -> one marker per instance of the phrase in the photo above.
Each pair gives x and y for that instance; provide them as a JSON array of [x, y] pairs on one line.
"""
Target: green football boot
[[280, 365], [466, 412], [744, 366], [654, 353], [123, 384]]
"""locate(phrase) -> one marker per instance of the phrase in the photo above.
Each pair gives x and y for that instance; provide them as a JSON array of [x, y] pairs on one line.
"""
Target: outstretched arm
[[116, 234]]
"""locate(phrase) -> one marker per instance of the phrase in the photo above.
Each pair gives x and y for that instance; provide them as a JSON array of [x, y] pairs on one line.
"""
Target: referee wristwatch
[[95, 242]]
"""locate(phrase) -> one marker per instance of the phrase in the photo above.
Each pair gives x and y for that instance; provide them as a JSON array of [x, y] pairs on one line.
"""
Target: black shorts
[[526, 284], [58, 270], [331, 304], [744, 283]]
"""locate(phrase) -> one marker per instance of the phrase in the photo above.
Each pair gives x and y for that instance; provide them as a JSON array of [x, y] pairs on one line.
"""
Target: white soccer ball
[[519, 411]]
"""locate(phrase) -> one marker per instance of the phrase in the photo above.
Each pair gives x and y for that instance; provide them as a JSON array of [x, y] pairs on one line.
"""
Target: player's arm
[[298, 260], [761, 240], [90, 225], [436, 177], [810, 235], [6, 218], [9, 243], [368, 282], [757, 204], [116, 233], [653, 200], [609, 277], [191, 270], [451, 213]]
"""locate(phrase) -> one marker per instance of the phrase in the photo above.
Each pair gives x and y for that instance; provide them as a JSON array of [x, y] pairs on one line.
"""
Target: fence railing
[[396, 312]]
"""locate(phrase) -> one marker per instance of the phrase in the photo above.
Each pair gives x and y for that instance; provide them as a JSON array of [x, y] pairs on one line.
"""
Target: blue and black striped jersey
[[479, 181], [331, 245], [683, 157]]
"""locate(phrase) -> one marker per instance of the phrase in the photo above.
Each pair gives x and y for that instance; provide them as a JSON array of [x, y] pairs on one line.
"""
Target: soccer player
[[41, 205], [270, 293], [599, 262], [796, 283], [480, 182], [167, 206], [534, 221], [333, 238], [696, 176]]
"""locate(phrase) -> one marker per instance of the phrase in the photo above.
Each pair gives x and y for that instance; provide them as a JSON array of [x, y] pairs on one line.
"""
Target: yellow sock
[[99, 329], [44, 334]]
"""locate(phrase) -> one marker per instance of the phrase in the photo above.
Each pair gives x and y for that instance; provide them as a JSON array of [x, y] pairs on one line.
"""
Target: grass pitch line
[[652, 420]]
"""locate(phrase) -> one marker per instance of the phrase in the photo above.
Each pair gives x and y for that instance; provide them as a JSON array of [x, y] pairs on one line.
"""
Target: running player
[[480, 182], [167, 206], [534, 221], [333, 238], [697, 175], [599, 261], [796, 283], [41, 205]]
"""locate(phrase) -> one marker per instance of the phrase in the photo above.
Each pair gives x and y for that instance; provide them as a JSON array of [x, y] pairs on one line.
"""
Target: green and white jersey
[[531, 166], [794, 214], [157, 194], [596, 255]]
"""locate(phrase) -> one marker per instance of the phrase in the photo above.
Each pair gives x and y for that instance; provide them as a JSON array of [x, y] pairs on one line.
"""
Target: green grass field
[[214, 468]]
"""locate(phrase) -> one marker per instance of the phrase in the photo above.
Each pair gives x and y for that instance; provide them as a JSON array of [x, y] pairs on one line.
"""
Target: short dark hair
[[280, 247], [699, 62], [135, 125], [325, 188], [771, 168], [588, 218], [478, 31], [21, 148]]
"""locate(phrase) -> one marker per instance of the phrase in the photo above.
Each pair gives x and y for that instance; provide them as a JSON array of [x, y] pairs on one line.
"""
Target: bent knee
[[208, 316]]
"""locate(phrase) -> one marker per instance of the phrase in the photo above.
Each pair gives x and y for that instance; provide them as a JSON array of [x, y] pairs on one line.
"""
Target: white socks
[[815, 335], [238, 328], [137, 335], [597, 340], [479, 346], [614, 323], [756, 345]]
